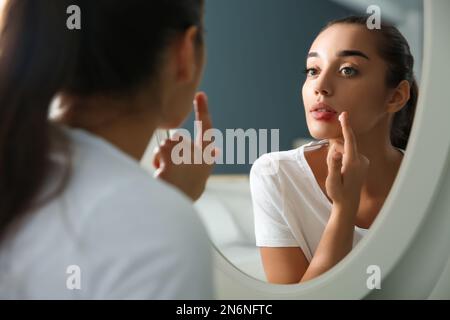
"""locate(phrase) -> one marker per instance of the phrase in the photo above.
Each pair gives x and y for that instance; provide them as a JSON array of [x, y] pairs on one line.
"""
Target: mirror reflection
[[341, 90]]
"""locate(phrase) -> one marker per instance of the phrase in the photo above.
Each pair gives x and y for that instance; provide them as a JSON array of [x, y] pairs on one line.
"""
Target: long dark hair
[[394, 50], [118, 48]]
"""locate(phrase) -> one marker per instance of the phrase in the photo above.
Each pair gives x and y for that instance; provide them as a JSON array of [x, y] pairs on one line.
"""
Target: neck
[[118, 122]]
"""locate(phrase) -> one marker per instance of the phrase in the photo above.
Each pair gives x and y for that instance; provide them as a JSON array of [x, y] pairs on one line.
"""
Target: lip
[[322, 105], [327, 115]]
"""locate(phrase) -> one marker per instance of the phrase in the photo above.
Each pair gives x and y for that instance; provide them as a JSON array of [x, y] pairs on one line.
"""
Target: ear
[[185, 53], [399, 97]]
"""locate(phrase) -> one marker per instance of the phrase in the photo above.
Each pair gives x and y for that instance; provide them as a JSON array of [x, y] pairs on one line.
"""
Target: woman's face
[[344, 72], [188, 63]]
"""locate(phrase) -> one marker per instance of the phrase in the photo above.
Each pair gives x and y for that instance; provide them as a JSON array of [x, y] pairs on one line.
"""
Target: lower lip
[[323, 116]]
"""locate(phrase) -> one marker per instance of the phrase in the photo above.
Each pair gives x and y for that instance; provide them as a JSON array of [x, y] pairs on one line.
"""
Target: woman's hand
[[189, 177], [347, 169]]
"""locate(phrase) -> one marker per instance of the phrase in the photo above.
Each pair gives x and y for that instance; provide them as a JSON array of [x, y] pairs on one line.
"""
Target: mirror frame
[[404, 209]]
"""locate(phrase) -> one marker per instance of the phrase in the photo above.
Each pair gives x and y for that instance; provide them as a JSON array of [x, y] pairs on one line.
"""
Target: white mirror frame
[[384, 244]]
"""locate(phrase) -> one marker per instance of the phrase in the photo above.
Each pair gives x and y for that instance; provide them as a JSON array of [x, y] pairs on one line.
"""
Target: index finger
[[350, 148], [202, 114]]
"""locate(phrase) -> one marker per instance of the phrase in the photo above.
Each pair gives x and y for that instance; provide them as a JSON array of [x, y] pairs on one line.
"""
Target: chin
[[320, 131], [323, 133]]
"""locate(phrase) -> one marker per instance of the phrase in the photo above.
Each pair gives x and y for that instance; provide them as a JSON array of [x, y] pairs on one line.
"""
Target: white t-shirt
[[290, 208], [128, 235]]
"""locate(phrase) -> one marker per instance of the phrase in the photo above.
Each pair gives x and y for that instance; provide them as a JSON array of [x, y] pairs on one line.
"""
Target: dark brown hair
[[394, 50], [116, 50]]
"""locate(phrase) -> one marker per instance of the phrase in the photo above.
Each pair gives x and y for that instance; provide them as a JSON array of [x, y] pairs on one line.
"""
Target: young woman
[[314, 203], [79, 218]]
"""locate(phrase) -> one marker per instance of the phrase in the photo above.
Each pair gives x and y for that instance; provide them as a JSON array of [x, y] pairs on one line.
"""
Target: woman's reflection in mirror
[[360, 95]]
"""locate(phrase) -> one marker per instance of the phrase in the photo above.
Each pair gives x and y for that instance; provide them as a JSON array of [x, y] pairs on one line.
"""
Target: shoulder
[[93, 156], [148, 237], [271, 163], [109, 188], [98, 170], [280, 166], [153, 238], [141, 209]]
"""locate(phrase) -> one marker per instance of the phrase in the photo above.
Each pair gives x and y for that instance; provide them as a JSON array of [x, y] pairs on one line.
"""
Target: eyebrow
[[343, 53]]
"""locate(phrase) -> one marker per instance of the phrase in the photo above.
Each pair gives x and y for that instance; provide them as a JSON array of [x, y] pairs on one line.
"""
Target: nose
[[323, 86]]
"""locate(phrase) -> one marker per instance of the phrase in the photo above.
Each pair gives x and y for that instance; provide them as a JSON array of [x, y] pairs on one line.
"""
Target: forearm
[[335, 244]]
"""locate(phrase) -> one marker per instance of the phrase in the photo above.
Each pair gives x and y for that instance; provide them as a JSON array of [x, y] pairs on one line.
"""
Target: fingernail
[[340, 117]]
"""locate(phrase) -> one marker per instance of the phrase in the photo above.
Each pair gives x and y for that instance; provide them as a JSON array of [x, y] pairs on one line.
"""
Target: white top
[[290, 208], [130, 235]]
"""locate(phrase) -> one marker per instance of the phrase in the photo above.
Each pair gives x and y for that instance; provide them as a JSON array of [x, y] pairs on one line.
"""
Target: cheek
[[363, 95], [306, 94], [308, 99], [303, 93], [366, 108], [177, 109], [374, 92]]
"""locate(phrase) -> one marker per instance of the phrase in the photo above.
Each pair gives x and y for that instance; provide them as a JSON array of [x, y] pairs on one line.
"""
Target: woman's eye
[[311, 72], [349, 71]]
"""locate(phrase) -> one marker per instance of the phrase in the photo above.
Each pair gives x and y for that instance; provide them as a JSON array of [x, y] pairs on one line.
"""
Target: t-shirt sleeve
[[271, 228], [146, 242]]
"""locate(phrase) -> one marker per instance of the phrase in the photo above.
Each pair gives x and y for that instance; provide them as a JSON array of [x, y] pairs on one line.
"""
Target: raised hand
[[347, 169], [190, 178]]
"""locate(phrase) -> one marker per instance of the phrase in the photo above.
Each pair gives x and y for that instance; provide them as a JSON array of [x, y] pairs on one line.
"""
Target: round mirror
[[257, 51]]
